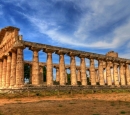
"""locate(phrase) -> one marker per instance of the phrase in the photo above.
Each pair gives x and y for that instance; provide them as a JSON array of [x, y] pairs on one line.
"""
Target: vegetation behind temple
[[27, 71]]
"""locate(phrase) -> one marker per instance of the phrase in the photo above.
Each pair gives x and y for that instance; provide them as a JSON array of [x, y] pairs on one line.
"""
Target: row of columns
[[124, 76], [12, 69]]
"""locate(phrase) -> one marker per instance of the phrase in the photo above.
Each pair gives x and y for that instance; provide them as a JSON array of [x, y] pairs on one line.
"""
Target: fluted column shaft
[[19, 68], [49, 69], [41, 75], [115, 72], [108, 74], [35, 68], [4, 72], [13, 69], [78, 75], [127, 74], [73, 71], [62, 70], [92, 72], [101, 72], [122, 76], [57, 75], [8, 71], [66, 76], [83, 71], [1, 67], [96, 75]]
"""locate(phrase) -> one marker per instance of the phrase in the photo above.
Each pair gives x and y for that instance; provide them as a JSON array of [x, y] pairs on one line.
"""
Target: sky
[[96, 26]]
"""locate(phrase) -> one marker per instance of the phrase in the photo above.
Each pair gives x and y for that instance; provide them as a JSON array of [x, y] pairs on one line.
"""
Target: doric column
[[49, 69], [13, 69], [92, 72], [1, 67], [4, 71], [108, 73], [30, 78], [35, 67], [78, 75], [73, 70], [122, 76], [115, 74], [83, 71], [96, 75], [101, 72], [19, 68], [127, 74], [66, 76], [57, 74], [8, 72], [41, 75], [62, 70]]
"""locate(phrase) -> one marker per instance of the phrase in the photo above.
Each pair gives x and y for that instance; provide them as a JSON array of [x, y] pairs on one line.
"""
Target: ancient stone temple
[[110, 70]]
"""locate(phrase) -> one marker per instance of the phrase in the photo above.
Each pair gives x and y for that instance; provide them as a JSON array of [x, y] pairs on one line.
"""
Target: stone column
[[127, 74], [115, 74], [122, 76], [96, 75], [8, 72], [49, 69], [92, 72], [41, 75], [101, 72], [30, 78], [78, 75], [35, 67], [73, 71], [62, 70], [4, 72], [66, 76], [83, 71], [57, 74], [1, 67], [13, 69], [19, 68], [108, 74]]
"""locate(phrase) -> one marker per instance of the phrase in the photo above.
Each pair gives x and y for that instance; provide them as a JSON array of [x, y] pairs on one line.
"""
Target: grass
[[60, 105], [122, 112]]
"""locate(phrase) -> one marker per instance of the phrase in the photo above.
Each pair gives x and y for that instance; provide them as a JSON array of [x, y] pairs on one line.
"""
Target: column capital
[[60, 52], [34, 49], [73, 54], [48, 50]]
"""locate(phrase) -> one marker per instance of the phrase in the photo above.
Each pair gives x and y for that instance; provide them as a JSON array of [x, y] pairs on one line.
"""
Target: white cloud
[[100, 13]]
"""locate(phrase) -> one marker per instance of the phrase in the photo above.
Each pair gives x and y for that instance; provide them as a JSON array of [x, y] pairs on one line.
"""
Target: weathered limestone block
[[13, 69], [41, 75], [115, 72], [62, 70], [127, 74], [78, 75], [1, 67], [4, 72], [122, 76], [92, 72], [35, 68], [57, 75], [108, 74], [49, 69], [101, 72], [8, 72], [83, 71], [73, 71], [19, 68]]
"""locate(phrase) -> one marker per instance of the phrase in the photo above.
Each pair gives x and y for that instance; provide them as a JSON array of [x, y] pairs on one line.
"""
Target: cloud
[[101, 24]]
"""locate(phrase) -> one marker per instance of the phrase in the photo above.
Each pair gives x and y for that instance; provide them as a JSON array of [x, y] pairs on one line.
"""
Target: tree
[[26, 71]]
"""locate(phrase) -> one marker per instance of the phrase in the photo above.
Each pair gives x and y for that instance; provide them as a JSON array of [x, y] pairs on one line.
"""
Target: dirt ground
[[89, 104]]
